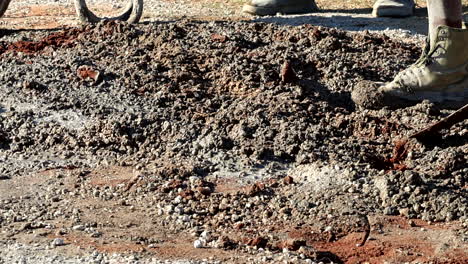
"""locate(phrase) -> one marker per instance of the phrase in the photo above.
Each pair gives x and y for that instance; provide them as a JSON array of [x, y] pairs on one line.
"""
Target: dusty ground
[[346, 14], [140, 140]]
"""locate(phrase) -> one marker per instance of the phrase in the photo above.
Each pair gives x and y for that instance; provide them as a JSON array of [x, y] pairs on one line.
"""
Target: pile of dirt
[[212, 116]]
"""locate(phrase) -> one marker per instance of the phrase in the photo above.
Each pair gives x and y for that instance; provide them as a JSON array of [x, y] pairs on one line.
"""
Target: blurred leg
[[444, 12]]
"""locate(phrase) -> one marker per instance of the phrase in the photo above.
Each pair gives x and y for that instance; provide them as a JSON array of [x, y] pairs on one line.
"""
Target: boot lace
[[426, 57], [424, 60]]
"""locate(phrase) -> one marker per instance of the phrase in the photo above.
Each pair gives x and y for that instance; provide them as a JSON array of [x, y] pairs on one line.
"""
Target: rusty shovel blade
[[456, 117]]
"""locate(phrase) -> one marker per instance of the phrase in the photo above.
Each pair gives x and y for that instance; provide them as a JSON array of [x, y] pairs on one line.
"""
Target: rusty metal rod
[[456, 117]]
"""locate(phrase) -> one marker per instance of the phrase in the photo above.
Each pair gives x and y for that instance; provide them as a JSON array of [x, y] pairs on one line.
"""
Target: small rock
[[205, 235], [79, 228], [87, 73], [96, 234], [292, 244], [198, 244], [204, 190], [169, 209], [287, 73], [255, 188], [224, 204], [61, 232], [404, 212], [34, 86], [177, 200], [258, 242], [218, 38], [57, 242], [187, 194], [390, 210], [288, 180], [4, 177]]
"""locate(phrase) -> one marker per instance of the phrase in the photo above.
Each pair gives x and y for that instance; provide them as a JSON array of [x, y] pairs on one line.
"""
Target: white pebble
[[198, 244], [205, 235], [57, 242], [79, 227]]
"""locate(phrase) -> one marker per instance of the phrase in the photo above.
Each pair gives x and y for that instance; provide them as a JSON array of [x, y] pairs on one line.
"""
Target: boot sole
[[269, 11], [445, 100], [391, 11], [455, 96]]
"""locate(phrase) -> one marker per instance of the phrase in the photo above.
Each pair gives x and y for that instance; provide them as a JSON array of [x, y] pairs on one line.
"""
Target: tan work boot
[[440, 76], [393, 8], [272, 7]]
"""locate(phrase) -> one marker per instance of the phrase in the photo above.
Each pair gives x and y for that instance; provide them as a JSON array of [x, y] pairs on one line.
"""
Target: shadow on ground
[[356, 20], [351, 22]]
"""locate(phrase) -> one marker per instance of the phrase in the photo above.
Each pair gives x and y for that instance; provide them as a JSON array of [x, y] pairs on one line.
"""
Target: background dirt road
[[26, 14], [129, 143]]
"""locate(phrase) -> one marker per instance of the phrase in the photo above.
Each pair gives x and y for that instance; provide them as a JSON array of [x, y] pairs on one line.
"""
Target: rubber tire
[[3, 6]]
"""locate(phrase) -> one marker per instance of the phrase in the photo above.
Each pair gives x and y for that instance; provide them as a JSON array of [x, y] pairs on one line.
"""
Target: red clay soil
[[395, 244], [394, 241], [60, 39], [395, 161], [400, 151], [112, 176]]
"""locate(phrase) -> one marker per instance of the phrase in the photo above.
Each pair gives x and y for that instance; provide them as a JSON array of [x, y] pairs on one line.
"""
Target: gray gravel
[[189, 104], [25, 254]]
